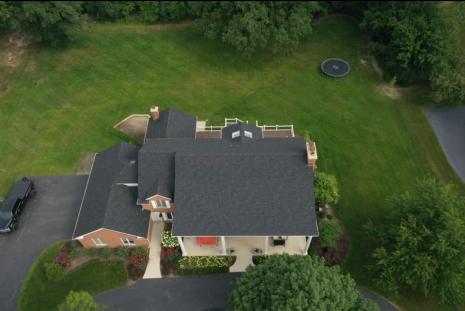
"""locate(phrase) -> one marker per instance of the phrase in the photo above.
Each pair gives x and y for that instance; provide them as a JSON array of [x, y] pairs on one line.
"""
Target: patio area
[[293, 245]]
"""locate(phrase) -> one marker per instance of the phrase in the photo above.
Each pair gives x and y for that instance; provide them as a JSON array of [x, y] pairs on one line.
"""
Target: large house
[[222, 188]]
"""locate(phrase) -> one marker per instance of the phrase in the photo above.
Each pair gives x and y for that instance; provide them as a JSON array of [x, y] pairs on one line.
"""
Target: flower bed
[[195, 265], [72, 256]]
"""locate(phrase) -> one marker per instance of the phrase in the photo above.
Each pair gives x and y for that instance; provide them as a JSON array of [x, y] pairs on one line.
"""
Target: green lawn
[[95, 277], [59, 105]]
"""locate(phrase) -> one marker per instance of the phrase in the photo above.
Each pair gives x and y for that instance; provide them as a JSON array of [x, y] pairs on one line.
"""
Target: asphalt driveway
[[207, 293], [202, 293], [449, 126], [48, 217]]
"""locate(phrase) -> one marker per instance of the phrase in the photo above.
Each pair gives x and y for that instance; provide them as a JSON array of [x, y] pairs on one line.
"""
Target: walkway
[[153, 268], [449, 126], [242, 262]]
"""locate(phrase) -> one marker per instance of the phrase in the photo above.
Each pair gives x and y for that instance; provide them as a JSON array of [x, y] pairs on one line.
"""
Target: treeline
[[414, 43], [412, 40]]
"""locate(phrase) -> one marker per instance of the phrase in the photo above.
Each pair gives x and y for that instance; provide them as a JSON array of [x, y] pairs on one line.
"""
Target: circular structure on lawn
[[335, 67]]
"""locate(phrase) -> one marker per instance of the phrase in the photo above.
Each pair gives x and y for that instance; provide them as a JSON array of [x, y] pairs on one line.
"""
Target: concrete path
[[48, 217], [153, 268], [449, 126], [242, 262]]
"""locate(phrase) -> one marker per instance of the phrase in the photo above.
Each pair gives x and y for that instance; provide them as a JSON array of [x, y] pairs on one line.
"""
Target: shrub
[[330, 233], [75, 252], [123, 252], [91, 252], [62, 258], [167, 240], [326, 189], [54, 272], [139, 257], [105, 253], [80, 301], [203, 265]]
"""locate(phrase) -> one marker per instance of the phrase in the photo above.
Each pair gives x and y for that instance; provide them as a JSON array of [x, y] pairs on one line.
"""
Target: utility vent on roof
[[248, 134], [236, 134]]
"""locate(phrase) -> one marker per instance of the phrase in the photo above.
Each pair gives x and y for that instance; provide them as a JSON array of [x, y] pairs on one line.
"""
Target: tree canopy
[[408, 37], [425, 247], [284, 282], [326, 189], [80, 301], [250, 26]]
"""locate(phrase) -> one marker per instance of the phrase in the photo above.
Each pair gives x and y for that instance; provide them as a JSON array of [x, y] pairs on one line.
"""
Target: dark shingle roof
[[171, 123], [243, 194], [156, 158], [107, 204]]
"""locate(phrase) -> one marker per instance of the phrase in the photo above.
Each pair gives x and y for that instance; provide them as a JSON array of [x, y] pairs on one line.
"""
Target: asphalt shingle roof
[[243, 194], [106, 203], [171, 123]]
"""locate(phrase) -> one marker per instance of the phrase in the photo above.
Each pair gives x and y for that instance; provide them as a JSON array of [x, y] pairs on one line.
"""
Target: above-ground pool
[[335, 67]]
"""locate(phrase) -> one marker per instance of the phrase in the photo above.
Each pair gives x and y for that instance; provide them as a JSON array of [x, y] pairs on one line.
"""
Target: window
[[248, 134], [236, 134], [162, 204], [169, 215], [99, 242], [128, 242]]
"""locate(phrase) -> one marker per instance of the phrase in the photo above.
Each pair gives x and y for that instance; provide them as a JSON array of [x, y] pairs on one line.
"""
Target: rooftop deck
[[205, 131]]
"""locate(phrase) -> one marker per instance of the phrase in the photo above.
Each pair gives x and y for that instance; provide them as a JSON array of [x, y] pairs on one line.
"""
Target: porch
[[249, 246]]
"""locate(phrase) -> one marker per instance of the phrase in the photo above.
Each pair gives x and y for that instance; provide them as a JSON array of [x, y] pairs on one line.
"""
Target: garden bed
[[93, 276], [72, 255]]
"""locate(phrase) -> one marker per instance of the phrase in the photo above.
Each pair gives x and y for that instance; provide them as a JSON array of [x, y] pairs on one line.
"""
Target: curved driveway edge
[[449, 127], [207, 293], [48, 217], [199, 293]]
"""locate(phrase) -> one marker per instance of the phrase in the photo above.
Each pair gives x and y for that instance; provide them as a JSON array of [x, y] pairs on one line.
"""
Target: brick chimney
[[312, 154], [154, 112]]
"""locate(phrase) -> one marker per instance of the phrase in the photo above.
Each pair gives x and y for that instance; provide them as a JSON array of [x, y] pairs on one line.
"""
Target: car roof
[[18, 191]]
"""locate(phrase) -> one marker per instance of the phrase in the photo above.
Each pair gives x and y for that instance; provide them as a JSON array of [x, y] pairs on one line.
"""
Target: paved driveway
[[48, 217], [207, 293], [449, 126]]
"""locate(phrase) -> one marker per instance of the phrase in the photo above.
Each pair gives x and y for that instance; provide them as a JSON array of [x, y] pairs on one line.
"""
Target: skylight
[[236, 134], [248, 134]]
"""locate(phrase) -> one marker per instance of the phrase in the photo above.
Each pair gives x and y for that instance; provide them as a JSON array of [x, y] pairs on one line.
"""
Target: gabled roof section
[[107, 204], [172, 123]]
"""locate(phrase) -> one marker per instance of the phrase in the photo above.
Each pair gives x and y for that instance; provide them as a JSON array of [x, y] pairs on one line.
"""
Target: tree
[[425, 248], [250, 26], [326, 189], [284, 282], [409, 38], [50, 22], [80, 301], [330, 233]]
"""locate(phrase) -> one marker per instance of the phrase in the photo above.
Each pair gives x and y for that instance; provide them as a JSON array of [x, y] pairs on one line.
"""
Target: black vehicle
[[14, 203]]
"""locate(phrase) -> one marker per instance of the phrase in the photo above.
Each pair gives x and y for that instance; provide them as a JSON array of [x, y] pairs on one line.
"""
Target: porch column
[[307, 245], [223, 246], [265, 249], [183, 248]]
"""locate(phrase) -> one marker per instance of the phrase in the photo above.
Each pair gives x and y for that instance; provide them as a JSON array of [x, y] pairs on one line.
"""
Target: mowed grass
[[94, 277], [61, 104]]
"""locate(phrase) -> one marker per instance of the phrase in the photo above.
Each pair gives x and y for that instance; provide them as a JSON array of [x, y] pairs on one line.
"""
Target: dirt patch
[[86, 164], [134, 126], [12, 50], [376, 67], [391, 91]]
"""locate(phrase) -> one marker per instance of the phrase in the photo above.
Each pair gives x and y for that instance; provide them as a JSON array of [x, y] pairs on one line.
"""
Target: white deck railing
[[230, 121]]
